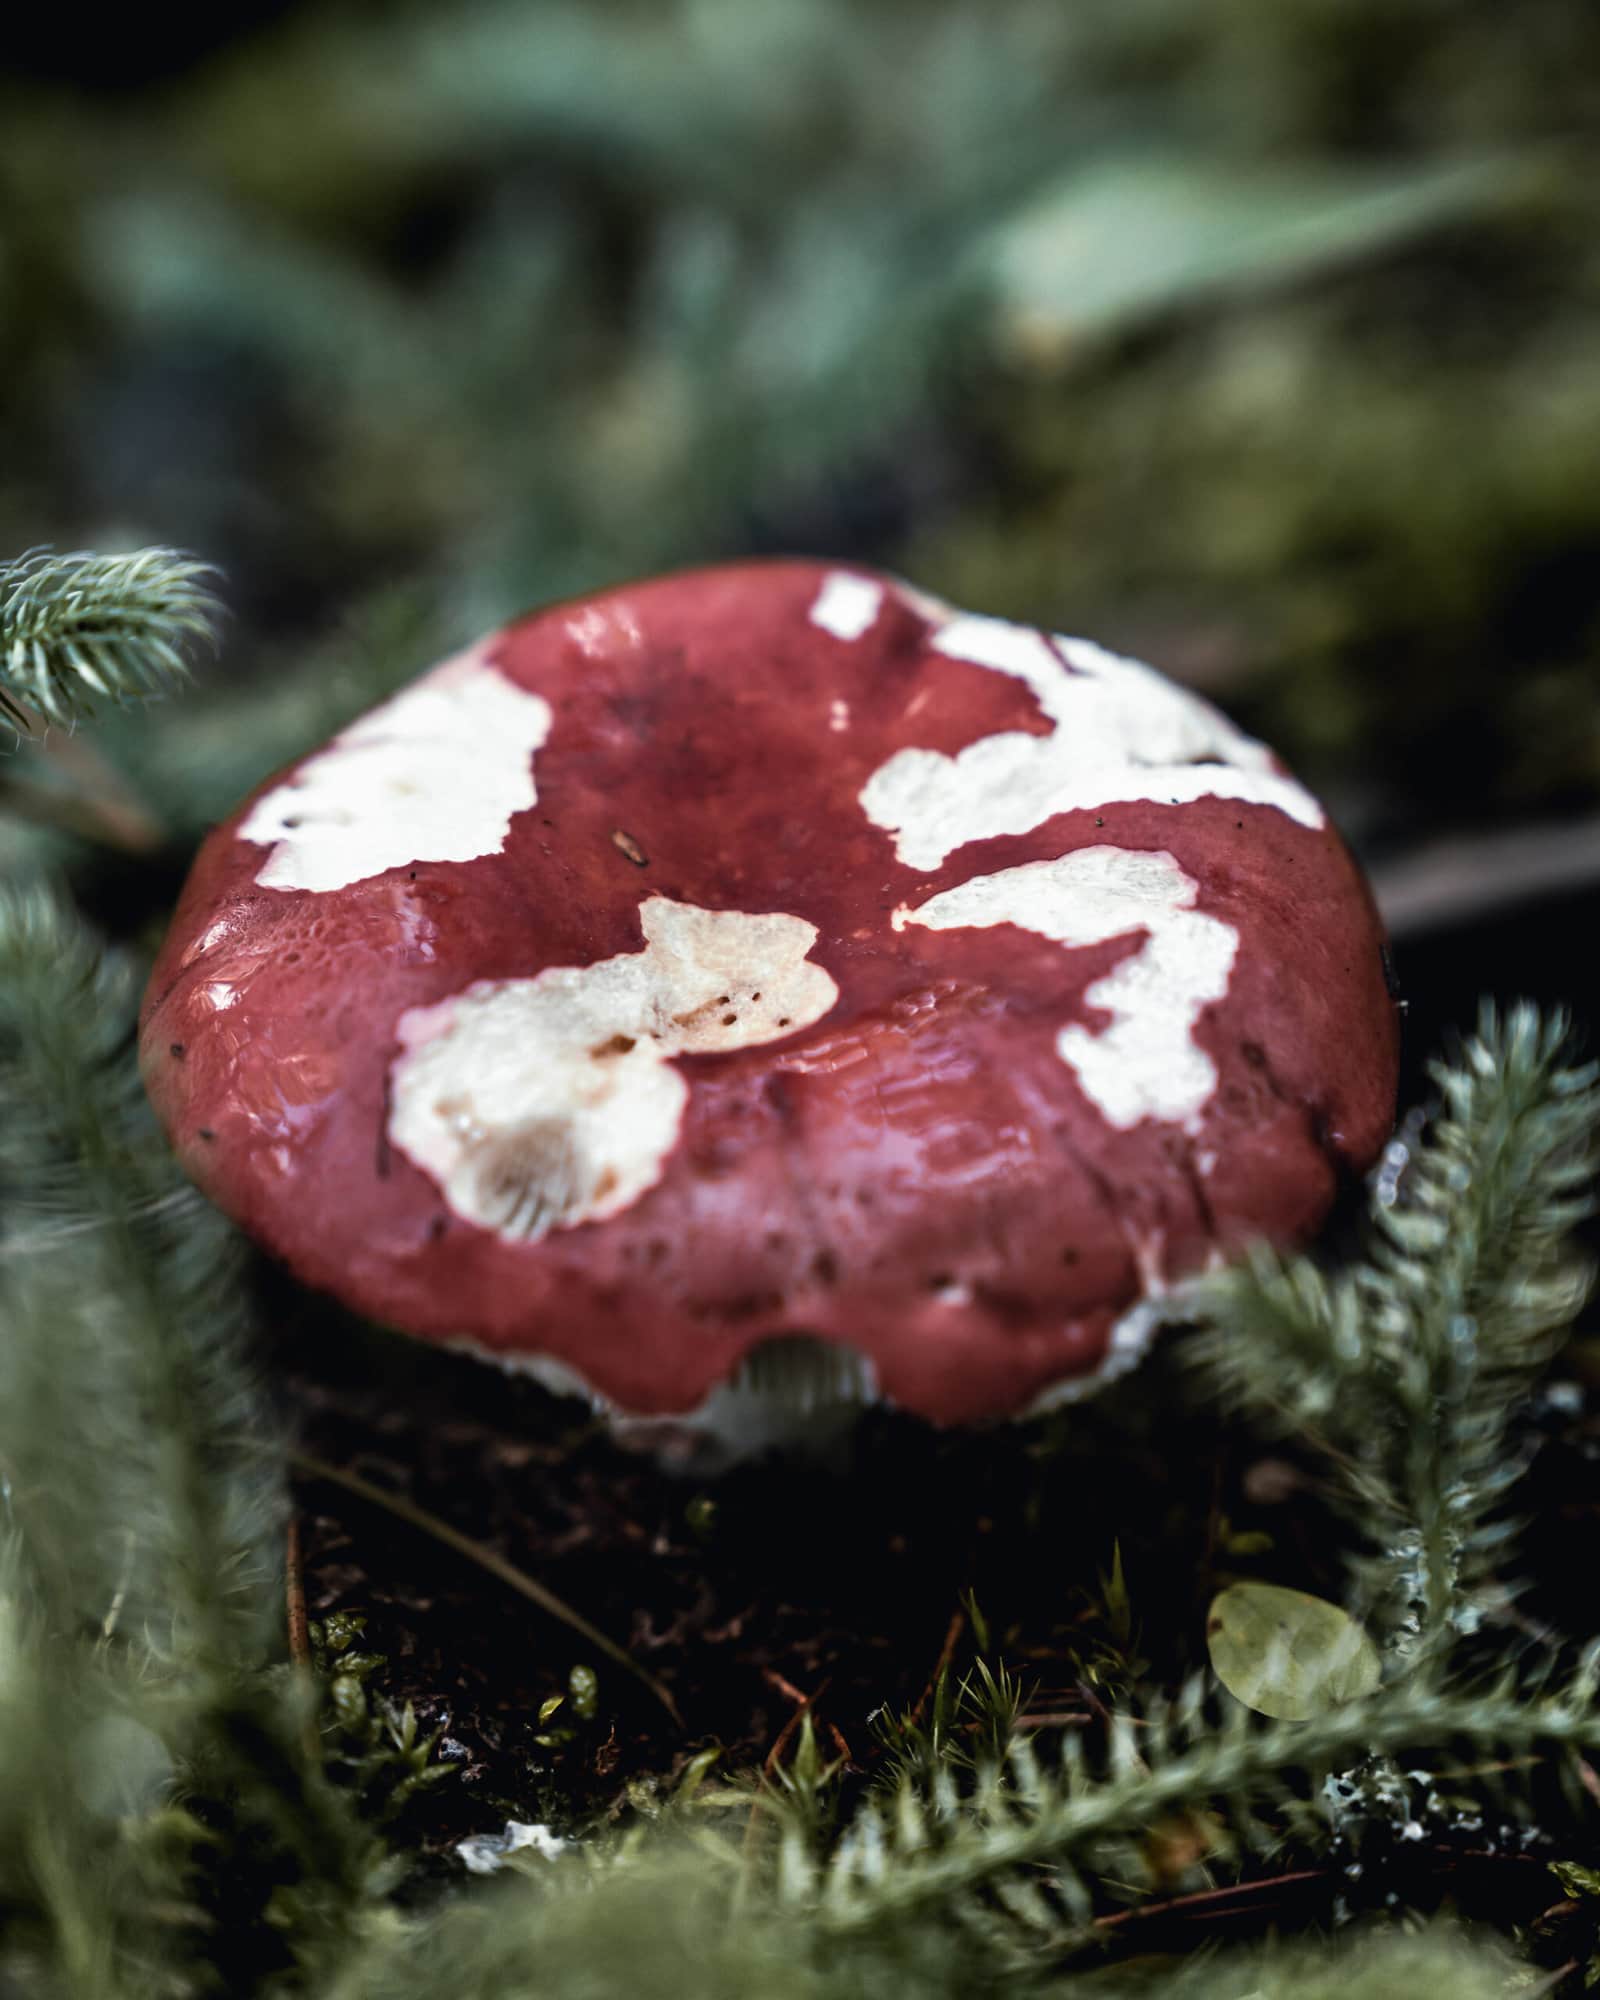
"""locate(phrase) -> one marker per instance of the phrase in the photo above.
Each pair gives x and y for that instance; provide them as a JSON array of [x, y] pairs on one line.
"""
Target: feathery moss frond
[[1471, 1284], [660, 1930], [1407, 1369], [1371, 1966], [81, 630], [128, 1419], [913, 1855], [142, 1483], [928, 1894]]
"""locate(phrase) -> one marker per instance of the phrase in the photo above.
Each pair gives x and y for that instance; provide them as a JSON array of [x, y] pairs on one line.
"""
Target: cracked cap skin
[[773, 950]]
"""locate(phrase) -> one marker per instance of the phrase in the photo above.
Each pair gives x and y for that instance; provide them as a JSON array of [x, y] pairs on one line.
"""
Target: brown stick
[[781, 1742], [126, 818], [1198, 1899], [1452, 880], [769, 1763], [294, 1595], [846, 1754], [294, 1591], [786, 1688], [953, 1631], [94, 800]]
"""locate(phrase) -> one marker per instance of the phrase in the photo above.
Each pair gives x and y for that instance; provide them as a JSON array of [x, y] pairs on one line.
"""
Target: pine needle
[[128, 1410], [80, 631]]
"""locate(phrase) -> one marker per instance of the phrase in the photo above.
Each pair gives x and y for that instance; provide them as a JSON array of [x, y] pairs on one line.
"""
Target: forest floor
[[1080, 1553], [839, 1588]]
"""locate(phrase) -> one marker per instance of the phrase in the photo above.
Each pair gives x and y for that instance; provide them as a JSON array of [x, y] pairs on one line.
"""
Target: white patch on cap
[[436, 774], [599, 629], [847, 606], [1122, 733], [541, 1103], [1146, 1064]]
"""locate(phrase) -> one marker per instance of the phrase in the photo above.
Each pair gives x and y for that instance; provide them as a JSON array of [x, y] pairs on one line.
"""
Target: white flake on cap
[[599, 629], [1122, 733], [436, 774], [1146, 1064], [847, 605], [541, 1103]]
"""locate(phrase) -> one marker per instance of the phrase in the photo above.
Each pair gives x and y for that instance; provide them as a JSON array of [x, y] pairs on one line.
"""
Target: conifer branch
[[143, 1490], [1408, 1368], [82, 630], [913, 1854], [126, 1397]]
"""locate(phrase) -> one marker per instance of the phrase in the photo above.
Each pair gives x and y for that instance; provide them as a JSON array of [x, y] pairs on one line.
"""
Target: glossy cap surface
[[771, 950]]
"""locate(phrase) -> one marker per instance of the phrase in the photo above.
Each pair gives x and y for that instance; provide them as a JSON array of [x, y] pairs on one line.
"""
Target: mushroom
[[768, 985]]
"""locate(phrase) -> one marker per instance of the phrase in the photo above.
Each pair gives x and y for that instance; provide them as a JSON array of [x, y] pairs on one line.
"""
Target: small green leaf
[[696, 1771], [340, 1629], [583, 1684], [701, 1515], [1114, 1593], [1577, 1880], [1287, 1654]]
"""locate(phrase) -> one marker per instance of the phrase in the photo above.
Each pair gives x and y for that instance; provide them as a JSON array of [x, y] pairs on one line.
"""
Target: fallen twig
[[953, 1631], [1449, 881], [294, 1592], [1235, 1899]]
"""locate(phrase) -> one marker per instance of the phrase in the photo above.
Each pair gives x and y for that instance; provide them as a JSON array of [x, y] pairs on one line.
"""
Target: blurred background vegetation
[[1255, 336]]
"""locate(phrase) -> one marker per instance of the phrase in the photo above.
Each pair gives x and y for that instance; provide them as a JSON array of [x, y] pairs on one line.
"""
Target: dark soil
[[842, 1585], [838, 1583]]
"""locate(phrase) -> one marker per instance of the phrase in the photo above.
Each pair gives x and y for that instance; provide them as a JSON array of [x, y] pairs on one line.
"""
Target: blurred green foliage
[[1254, 335]]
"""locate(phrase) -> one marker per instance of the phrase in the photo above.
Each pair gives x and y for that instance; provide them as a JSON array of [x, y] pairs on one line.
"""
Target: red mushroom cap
[[772, 950]]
